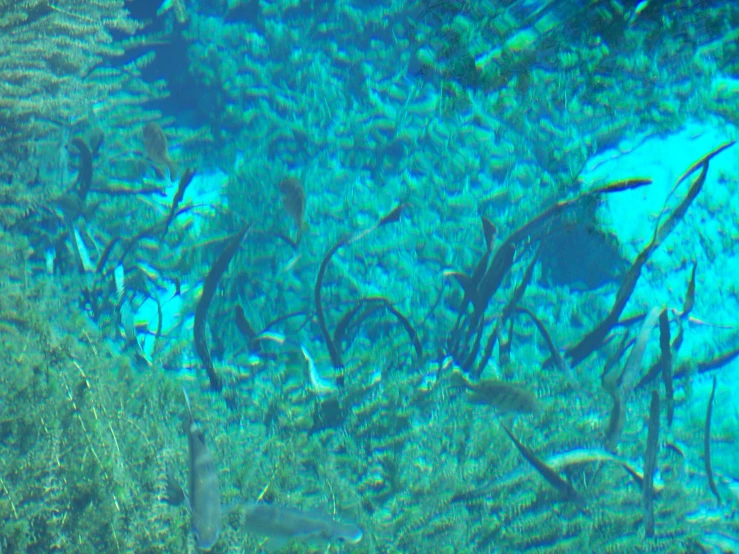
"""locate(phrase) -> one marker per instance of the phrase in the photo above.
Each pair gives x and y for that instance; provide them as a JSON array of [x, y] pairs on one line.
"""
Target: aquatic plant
[[80, 455], [51, 54], [90, 426]]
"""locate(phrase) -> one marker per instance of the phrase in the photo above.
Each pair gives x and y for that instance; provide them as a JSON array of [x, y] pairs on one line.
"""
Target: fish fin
[[273, 544], [175, 495]]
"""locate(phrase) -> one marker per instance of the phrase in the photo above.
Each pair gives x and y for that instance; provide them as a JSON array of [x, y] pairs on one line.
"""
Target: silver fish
[[282, 525], [205, 494]]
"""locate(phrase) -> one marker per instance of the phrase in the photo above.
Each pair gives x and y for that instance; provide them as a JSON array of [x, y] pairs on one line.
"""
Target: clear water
[[380, 246]]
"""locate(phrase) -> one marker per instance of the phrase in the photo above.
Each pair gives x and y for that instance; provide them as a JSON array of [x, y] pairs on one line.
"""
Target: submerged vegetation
[[381, 383]]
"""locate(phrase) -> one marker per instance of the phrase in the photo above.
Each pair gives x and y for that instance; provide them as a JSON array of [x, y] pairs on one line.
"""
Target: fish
[[282, 524], [504, 396], [157, 147], [293, 200], [205, 495]]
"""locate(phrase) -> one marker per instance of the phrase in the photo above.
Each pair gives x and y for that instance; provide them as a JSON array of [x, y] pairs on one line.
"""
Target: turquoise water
[[435, 276]]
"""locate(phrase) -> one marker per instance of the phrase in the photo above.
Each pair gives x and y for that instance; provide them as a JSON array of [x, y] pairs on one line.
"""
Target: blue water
[[394, 250]]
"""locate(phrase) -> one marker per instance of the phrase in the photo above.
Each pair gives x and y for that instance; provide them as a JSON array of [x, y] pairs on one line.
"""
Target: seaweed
[[245, 328], [201, 311], [616, 420], [489, 231], [693, 168], [540, 226], [552, 477], [185, 180], [505, 315], [334, 353], [103, 259], [717, 362], [707, 444], [366, 307], [665, 363], [84, 177], [593, 340], [621, 386], [469, 284], [650, 465], [492, 279], [669, 351], [306, 315], [504, 349], [690, 294], [630, 374], [556, 357], [152, 230]]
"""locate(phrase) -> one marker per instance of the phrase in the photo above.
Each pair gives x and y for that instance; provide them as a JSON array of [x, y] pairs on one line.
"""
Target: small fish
[[504, 396], [205, 495], [281, 525], [293, 200], [157, 147]]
